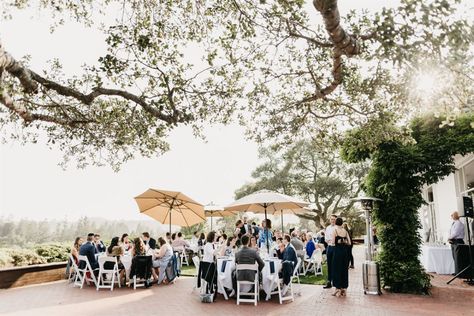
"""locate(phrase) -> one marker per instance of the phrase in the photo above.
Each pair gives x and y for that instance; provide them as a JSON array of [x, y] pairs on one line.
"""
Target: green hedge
[[44, 253]]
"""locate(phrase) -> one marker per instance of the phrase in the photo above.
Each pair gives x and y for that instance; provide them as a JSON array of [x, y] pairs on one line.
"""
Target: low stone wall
[[34, 274]]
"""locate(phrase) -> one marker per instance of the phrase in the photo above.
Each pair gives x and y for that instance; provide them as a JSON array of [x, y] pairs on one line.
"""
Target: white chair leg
[[238, 293], [279, 293], [98, 281]]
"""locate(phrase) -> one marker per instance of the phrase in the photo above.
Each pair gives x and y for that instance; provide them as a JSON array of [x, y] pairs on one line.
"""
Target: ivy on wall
[[400, 168]]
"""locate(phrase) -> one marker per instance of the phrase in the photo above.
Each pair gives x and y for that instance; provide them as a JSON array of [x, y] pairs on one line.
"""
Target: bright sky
[[32, 185]]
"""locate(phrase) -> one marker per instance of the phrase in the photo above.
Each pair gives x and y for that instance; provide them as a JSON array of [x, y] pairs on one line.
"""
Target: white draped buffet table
[[437, 259]]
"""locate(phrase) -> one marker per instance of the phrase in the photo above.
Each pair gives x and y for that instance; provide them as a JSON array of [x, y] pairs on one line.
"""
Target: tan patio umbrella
[[212, 210], [295, 211], [170, 207], [265, 201]]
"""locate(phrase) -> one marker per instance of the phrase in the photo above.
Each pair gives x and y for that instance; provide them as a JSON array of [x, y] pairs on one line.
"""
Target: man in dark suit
[[247, 255], [289, 263], [89, 250], [149, 241], [99, 244]]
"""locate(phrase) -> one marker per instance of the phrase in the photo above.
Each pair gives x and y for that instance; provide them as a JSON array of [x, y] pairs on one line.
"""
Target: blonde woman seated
[[161, 260]]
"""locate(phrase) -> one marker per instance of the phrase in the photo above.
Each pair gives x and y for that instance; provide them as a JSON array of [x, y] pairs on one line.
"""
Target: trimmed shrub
[[53, 252]]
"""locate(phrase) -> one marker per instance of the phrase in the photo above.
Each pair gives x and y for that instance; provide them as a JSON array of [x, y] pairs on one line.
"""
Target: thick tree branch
[[30, 81]]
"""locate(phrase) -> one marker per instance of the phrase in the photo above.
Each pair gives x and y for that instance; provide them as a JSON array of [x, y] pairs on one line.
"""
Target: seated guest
[[223, 239], [303, 238], [297, 244], [280, 247], [115, 250], [99, 244], [246, 255], [161, 260], [168, 238], [228, 250], [310, 245], [253, 243], [179, 244], [322, 240], [126, 245], [88, 249], [75, 249], [288, 265], [150, 243], [138, 248]]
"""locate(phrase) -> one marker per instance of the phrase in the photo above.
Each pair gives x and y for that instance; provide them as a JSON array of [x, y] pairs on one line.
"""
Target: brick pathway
[[59, 298]]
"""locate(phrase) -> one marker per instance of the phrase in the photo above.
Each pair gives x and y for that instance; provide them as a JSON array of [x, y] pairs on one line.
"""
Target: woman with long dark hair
[[340, 261], [75, 248], [115, 250]]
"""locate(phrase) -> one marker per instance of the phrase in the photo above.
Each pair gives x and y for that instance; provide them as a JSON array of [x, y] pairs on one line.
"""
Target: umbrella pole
[[281, 212], [211, 222], [266, 232], [170, 221]]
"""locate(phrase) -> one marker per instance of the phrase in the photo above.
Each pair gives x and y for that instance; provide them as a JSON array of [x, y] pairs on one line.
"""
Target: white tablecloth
[[269, 279], [437, 259], [224, 278], [127, 264]]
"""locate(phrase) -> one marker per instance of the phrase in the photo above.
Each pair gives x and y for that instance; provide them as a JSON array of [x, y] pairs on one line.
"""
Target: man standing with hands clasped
[[456, 233], [329, 237]]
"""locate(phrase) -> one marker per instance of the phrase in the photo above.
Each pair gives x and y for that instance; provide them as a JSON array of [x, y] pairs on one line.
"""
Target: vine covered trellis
[[401, 165]]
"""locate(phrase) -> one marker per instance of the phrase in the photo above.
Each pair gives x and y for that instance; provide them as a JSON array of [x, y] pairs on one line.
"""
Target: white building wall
[[444, 195]]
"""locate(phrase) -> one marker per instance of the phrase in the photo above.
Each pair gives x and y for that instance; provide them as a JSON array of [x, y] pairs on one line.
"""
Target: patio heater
[[370, 268]]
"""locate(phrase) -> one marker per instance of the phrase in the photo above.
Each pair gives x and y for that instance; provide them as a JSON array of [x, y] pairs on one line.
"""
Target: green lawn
[[188, 270], [309, 279], [315, 280]]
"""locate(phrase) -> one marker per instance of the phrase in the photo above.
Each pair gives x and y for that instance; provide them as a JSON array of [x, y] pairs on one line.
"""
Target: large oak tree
[[286, 68]]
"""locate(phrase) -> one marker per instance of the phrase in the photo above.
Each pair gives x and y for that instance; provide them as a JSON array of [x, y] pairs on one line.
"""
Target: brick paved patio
[[60, 298]]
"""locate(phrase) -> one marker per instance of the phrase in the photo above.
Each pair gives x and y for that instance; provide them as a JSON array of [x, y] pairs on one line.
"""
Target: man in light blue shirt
[[456, 233]]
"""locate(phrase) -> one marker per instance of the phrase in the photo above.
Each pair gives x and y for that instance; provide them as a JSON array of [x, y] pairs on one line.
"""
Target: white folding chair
[[181, 253], [296, 277], [82, 274], [315, 262], [196, 274], [72, 269], [111, 274], [249, 267]]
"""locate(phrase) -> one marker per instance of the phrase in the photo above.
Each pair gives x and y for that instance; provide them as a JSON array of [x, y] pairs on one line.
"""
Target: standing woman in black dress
[[340, 262]]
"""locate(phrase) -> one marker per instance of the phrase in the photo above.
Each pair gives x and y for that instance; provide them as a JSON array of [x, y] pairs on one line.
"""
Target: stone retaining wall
[[34, 274]]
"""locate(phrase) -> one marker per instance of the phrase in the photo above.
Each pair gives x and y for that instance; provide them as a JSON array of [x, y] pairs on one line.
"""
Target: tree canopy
[[316, 174], [285, 68]]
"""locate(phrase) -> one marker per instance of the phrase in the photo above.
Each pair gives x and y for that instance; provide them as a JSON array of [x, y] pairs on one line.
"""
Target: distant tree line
[[27, 232]]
